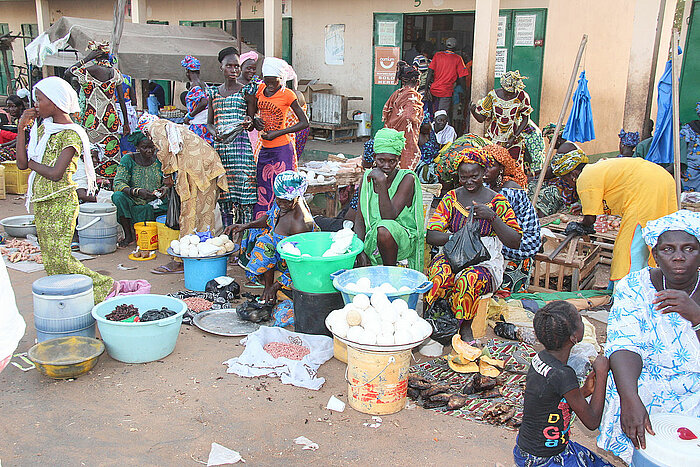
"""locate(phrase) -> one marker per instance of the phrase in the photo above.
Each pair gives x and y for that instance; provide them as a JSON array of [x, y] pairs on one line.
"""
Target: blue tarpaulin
[[661, 149], [579, 127]]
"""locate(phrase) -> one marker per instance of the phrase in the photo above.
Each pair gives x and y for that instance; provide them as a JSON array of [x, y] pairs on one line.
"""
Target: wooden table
[[333, 127], [606, 240]]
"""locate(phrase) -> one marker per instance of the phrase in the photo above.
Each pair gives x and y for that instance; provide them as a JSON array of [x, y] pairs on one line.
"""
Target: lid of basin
[[62, 284]]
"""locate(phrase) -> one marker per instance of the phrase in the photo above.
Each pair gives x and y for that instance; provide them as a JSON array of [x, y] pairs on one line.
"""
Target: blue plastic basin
[[377, 275], [199, 271], [140, 342]]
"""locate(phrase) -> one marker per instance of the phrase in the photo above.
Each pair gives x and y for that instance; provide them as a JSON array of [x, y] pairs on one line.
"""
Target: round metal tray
[[224, 322]]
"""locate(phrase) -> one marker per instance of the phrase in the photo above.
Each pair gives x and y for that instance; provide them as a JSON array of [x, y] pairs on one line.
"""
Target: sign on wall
[[501, 32], [335, 44], [386, 33], [385, 60], [501, 62], [524, 30]]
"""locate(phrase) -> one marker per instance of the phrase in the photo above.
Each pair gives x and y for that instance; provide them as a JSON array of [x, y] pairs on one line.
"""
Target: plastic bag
[[465, 247], [224, 287], [129, 287], [443, 322], [172, 218], [254, 311]]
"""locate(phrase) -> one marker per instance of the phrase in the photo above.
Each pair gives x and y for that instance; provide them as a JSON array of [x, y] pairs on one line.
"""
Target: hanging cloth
[[579, 127], [661, 148]]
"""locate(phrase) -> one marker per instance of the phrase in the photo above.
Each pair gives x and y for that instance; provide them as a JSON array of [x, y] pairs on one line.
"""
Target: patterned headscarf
[[629, 138], [448, 159], [548, 131], [290, 185], [389, 141], [562, 164], [511, 169], [511, 81], [476, 156], [368, 153], [687, 221], [145, 120], [135, 137], [102, 46], [190, 63]]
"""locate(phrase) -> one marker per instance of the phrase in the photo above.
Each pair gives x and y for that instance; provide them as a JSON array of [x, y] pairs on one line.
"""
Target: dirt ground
[[170, 411]]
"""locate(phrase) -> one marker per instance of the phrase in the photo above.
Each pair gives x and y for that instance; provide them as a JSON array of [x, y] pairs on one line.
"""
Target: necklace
[[663, 280]]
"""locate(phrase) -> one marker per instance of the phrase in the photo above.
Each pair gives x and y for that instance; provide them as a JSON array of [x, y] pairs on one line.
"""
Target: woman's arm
[[508, 235], [390, 208], [27, 117], [55, 172], [626, 367], [590, 414], [122, 105], [437, 238], [201, 105], [210, 122]]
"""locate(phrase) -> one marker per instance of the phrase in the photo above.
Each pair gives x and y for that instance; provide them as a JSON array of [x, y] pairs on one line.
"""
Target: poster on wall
[[386, 33], [385, 60], [335, 44], [286, 8], [501, 32], [501, 62], [524, 31]]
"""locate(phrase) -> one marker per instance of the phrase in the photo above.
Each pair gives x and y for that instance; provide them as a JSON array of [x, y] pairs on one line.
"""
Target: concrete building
[[539, 37]]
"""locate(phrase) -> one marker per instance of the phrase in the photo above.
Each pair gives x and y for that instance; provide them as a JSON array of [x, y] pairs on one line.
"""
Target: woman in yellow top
[[637, 190]]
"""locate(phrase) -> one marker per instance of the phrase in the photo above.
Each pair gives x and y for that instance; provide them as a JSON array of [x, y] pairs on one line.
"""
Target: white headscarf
[[65, 98], [687, 221], [273, 66]]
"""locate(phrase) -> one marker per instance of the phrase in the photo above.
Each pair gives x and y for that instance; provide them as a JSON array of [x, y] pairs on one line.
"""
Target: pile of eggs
[[364, 285], [378, 321], [192, 246]]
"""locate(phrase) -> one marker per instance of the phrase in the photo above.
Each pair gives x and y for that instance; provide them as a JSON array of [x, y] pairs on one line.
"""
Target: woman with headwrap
[[505, 176], [628, 141], [391, 221], [508, 109], [404, 112], [196, 99], [498, 226], [228, 112], [288, 215], [653, 332], [690, 138], [273, 102], [54, 147], [429, 150]]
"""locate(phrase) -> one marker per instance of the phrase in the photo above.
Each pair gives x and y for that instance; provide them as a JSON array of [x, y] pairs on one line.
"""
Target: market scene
[[334, 233]]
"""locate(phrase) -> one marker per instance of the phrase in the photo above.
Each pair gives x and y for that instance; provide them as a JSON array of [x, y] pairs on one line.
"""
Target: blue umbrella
[[661, 149], [579, 127]]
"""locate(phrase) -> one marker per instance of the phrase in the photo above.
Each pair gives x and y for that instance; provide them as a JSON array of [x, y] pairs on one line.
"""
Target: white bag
[[12, 327], [255, 361]]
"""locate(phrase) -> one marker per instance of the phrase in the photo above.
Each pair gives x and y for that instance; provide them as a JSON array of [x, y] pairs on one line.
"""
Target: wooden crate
[[573, 269], [606, 240]]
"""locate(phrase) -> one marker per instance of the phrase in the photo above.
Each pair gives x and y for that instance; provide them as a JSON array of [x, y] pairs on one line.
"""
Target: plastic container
[[340, 350], [377, 381], [146, 235], [364, 124], [62, 306], [66, 357], [311, 310], [140, 342], [312, 273], [3, 193], [16, 181], [97, 228], [199, 271], [98, 241], [666, 448], [377, 275], [165, 234]]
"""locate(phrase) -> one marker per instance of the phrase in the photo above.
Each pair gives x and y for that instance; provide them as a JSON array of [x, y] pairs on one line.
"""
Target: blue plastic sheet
[[579, 127]]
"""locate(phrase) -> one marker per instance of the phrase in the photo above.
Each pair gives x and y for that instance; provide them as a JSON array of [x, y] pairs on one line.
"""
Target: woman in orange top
[[272, 102]]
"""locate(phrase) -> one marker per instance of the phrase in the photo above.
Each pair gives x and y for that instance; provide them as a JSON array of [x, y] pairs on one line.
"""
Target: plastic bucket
[[62, 306], [140, 342], [311, 310], [199, 271], [340, 350], [312, 273], [165, 235], [377, 381], [98, 241], [417, 282], [146, 235]]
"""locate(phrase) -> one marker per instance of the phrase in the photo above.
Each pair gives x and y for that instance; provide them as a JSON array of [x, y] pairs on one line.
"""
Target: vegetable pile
[[192, 246], [465, 358], [197, 304], [17, 250]]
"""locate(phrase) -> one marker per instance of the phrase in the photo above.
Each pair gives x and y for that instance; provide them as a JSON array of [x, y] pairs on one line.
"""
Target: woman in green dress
[[54, 148]]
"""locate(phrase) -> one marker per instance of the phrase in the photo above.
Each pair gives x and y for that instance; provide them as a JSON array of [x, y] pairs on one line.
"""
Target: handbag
[[172, 217], [465, 248]]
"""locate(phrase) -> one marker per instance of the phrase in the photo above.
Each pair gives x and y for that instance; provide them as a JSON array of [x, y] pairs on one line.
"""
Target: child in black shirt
[[552, 392]]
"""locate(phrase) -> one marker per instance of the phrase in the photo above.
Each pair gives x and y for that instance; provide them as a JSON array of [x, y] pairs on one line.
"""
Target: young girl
[[54, 147], [552, 393]]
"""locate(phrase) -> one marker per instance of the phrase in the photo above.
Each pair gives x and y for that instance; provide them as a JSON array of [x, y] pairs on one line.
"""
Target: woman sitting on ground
[[498, 226], [653, 337], [289, 215], [139, 182]]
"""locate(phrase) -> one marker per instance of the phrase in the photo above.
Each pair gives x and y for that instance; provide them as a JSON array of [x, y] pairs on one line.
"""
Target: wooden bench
[[333, 128]]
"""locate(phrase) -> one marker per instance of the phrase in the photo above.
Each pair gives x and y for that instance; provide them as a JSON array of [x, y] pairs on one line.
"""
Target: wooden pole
[[117, 25], [238, 26], [562, 113], [676, 116]]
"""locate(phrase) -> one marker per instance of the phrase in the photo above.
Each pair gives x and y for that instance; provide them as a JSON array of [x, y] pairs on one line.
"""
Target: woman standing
[[404, 112], [228, 107], [196, 100], [54, 147], [250, 82], [273, 101], [429, 149]]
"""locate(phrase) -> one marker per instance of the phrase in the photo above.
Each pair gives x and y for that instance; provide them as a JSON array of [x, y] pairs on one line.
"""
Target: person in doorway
[[196, 100], [404, 112], [444, 132], [422, 64], [446, 69], [429, 150], [653, 333], [391, 220], [628, 141]]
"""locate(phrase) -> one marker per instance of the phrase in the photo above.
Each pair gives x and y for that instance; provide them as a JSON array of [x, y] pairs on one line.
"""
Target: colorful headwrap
[[511, 169], [368, 153], [102, 46], [389, 141], [630, 138], [145, 120], [476, 156], [687, 221], [562, 164], [448, 159], [511, 81], [135, 137], [190, 63], [290, 185], [697, 108], [251, 55], [548, 131]]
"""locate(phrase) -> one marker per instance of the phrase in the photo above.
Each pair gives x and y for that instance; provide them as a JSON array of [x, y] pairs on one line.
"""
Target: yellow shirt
[[631, 187]]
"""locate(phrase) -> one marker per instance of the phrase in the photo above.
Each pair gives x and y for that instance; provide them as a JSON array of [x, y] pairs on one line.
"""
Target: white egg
[[370, 319], [194, 239], [402, 337], [340, 329], [362, 301], [385, 339], [372, 328], [410, 316], [424, 326], [402, 325], [355, 333], [368, 338], [389, 315], [417, 334], [387, 328], [351, 287], [364, 284]]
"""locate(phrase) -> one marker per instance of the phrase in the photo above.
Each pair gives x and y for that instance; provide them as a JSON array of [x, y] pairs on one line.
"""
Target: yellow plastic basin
[[66, 357]]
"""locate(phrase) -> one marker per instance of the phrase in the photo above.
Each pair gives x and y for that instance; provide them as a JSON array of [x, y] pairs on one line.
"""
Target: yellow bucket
[[340, 350], [165, 235], [377, 381], [146, 235]]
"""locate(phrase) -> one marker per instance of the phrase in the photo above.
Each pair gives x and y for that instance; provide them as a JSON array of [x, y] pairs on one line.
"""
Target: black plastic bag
[[172, 218], [506, 330], [443, 321], [465, 248], [227, 292], [254, 311], [154, 315]]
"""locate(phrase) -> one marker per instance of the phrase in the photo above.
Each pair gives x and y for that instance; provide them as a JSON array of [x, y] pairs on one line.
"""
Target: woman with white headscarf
[[55, 145]]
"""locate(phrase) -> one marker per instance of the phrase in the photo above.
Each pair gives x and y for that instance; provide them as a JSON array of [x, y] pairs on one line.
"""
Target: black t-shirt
[[546, 414]]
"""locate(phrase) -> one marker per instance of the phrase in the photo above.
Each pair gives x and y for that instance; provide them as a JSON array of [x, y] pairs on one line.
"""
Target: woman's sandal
[[165, 269]]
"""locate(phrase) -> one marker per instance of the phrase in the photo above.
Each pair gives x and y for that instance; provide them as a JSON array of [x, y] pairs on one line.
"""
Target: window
[[204, 24], [30, 31], [4, 29], [155, 21]]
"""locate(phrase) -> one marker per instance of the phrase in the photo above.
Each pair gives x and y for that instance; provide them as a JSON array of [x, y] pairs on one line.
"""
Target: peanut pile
[[290, 351]]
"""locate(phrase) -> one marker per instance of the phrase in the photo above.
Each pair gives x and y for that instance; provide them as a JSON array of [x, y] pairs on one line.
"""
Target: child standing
[[552, 393]]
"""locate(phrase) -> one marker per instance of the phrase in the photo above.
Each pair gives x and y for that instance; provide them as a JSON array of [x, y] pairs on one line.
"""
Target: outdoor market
[[209, 256]]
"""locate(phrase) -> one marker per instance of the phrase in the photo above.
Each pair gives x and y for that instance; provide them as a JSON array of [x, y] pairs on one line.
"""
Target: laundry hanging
[[661, 148], [579, 127]]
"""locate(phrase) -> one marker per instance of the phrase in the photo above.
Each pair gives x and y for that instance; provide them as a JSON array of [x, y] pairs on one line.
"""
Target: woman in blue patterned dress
[[196, 100]]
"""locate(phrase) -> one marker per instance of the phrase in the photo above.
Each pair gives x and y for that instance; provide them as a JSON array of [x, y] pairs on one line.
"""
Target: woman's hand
[[270, 135], [269, 295], [248, 123], [601, 365], [634, 421], [168, 180], [678, 301], [378, 177], [234, 229], [481, 211], [145, 194], [27, 119], [588, 385]]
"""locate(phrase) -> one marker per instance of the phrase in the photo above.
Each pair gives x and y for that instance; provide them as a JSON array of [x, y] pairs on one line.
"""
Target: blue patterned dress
[[193, 98]]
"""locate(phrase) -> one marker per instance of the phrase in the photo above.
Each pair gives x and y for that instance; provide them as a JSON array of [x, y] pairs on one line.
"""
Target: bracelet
[[696, 328]]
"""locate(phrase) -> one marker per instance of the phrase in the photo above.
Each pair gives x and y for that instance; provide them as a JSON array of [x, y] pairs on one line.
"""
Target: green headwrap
[[135, 137], [389, 141]]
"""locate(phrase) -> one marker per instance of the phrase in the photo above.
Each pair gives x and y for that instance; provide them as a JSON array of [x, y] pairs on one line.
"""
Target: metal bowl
[[66, 357], [19, 226]]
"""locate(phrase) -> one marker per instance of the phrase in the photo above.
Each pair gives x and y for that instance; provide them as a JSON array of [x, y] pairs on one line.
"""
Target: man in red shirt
[[446, 69]]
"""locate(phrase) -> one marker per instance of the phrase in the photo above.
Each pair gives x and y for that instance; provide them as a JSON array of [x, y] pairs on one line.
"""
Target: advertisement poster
[[501, 62], [385, 60], [501, 34], [335, 44]]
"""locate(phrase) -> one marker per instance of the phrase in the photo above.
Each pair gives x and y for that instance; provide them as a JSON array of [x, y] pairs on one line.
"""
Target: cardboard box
[[309, 86]]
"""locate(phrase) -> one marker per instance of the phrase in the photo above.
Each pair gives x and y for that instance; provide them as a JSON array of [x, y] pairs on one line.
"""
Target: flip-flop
[[253, 285], [75, 246], [165, 270]]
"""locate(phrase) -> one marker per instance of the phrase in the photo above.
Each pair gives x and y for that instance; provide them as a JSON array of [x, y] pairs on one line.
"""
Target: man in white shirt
[[444, 132]]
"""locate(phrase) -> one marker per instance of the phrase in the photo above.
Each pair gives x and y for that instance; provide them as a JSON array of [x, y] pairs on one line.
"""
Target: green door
[[526, 52], [690, 73], [388, 32], [4, 29]]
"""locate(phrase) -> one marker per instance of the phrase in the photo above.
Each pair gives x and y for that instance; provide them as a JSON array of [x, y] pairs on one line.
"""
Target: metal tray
[[224, 322]]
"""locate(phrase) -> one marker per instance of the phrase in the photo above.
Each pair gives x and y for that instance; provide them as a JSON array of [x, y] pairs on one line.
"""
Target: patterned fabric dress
[[124, 145], [236, 157], [404, 112], [56, 212], [198, 124], [516, 277], [426, 170], [534, 143], [670, 353], [463, 289], [690, 133], [130, 174], [555, 196]]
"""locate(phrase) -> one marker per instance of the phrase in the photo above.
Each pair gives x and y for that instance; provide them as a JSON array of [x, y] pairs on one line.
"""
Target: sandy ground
[[170, 411]]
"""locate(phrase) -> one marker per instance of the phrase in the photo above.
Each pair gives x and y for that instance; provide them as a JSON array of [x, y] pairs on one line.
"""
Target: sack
[[465, 247], [172, 218], [443, 321]]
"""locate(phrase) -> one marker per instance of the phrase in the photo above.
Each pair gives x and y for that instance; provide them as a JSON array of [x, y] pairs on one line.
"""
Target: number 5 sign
[[385, 60]]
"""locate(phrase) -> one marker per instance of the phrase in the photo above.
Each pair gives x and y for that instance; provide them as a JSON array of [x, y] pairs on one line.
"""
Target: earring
[[499, 180]]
